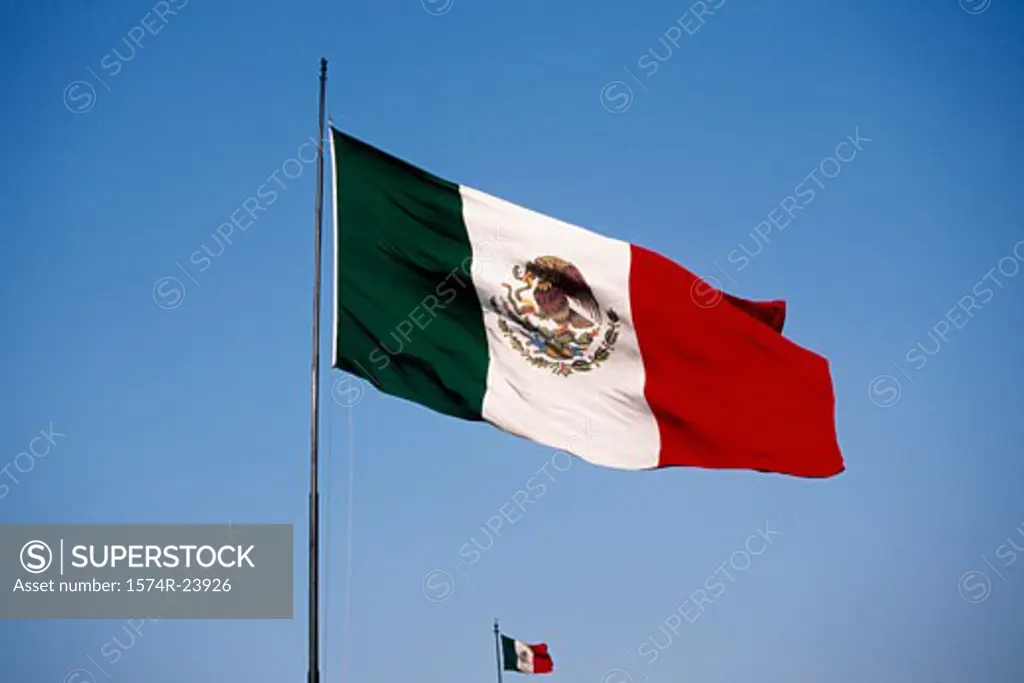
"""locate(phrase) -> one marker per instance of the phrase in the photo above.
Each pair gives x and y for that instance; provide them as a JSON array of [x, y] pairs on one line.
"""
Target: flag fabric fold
[[524, 658], [480, 309]]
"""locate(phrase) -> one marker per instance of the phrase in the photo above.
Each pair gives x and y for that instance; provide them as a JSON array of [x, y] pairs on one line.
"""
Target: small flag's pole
[[497, 648], [313, 672]]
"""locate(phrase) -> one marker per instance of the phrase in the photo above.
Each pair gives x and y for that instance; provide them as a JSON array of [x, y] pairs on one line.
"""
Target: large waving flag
[[484, 310]]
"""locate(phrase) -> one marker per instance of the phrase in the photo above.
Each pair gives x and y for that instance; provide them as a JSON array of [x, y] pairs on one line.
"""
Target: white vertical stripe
[[524, 658], [600, 415]]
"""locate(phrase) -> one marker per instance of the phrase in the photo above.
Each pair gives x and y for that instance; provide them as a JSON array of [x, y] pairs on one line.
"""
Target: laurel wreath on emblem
[[555, 318]]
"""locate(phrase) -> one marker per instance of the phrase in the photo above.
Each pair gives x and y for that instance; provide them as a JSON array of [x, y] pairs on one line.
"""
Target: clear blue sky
[[200, 413]]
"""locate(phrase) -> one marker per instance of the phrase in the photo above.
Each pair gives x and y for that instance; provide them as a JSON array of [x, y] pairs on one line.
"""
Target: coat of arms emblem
[[550, 316]]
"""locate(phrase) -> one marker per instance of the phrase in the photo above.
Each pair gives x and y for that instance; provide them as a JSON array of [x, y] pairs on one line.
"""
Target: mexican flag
[[483, 310], [527, 659]]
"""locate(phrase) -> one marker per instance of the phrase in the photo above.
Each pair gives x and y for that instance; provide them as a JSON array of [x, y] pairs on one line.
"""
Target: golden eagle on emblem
[[551, 317], [559, 284]]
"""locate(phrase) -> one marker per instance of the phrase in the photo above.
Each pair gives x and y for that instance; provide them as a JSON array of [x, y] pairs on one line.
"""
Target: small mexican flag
[[483, 310], [527, 659]]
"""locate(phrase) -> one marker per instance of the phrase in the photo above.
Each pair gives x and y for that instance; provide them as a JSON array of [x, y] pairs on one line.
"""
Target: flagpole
[[313, 672], [497, 648]]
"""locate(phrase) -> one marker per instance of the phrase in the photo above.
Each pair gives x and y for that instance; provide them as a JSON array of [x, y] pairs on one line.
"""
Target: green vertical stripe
[[508, 648], [408, 317]]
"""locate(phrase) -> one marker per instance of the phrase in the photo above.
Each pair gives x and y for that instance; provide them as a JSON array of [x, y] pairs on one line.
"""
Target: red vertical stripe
[[727, 389], [542, 663], [771, 313]]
